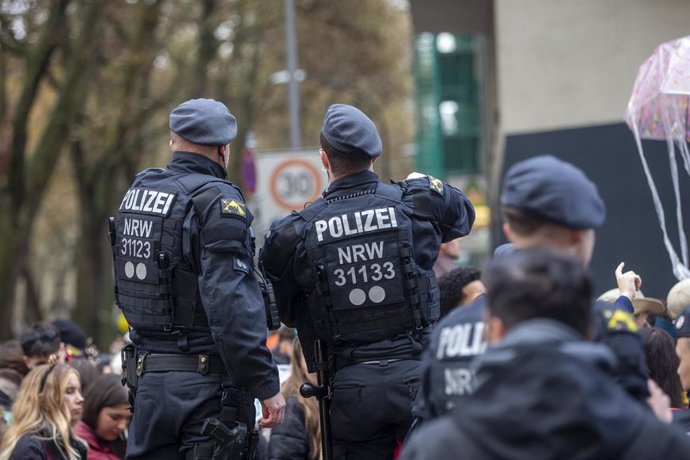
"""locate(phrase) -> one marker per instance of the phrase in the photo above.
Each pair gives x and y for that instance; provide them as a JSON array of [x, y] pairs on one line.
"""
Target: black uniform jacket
[[545, 393], [228, 291], [440, 213]]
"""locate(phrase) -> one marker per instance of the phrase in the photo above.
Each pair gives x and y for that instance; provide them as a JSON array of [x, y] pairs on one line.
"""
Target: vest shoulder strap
[[391, 191], [198, 186], [313, 209]]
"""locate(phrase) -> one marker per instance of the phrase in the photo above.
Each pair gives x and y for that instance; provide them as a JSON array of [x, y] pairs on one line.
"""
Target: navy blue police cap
[[204, 122], [683, 324], [553, 190], [348, 130]]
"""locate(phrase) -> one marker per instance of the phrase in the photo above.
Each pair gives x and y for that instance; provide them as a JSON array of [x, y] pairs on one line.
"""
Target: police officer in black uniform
[[354, 270], [183, 247], [546, 202]]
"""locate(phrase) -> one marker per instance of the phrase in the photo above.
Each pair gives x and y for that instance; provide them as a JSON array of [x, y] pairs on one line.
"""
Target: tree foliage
[[85, 90]]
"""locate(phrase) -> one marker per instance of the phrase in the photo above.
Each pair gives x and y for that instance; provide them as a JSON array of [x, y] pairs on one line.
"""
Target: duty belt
[[163, 362], [341, 362]]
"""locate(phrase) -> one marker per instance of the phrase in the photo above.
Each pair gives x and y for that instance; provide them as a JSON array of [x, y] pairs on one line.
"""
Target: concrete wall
[[569, 63]]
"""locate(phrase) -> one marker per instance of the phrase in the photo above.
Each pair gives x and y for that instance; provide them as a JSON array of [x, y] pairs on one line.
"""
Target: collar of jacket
[[194, 163], [353, 180], [550, 333]]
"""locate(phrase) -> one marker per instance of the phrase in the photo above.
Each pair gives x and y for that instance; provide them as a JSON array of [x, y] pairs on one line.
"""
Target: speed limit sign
[[294, 182], [286, 181]]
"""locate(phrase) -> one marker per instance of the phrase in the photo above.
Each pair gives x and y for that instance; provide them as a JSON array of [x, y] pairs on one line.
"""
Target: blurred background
[[459, 89]]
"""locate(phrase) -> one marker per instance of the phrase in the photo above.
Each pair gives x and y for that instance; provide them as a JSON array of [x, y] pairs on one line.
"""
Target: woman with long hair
[[47, 407], [299, 436], [660, 354], [106, 417]]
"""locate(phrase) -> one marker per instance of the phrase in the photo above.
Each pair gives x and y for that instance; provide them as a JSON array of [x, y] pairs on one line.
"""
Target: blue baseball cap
[[204, 122], [348, 130], [553, 190]]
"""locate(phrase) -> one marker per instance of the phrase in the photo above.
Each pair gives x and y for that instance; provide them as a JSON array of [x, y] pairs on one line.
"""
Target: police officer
[[545, 202], [354, 270], [183, 248]]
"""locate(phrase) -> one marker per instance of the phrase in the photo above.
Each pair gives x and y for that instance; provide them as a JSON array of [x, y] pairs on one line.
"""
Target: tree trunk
[[94, 275], [97, 180], [9, 270], [30, 173]]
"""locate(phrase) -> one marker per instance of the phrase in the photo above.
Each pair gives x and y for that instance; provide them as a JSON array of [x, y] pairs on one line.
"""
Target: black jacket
[[437, 212], [31, 447], [216, 243], [289, 439], [544, 393]]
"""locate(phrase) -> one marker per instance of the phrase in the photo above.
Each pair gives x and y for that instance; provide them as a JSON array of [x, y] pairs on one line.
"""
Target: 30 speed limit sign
[[286, 181], [294, 182]]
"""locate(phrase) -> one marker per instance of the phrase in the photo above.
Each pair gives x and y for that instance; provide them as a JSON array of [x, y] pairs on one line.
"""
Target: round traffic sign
[[295, 182]]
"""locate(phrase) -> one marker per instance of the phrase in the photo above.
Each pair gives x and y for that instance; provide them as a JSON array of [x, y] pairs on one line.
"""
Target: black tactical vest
[[155, 288], [460, 337], [368, 286]]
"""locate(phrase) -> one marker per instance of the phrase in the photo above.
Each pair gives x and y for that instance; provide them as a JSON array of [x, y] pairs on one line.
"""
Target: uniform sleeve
[[232, 298], [439, 202], [277, 257]]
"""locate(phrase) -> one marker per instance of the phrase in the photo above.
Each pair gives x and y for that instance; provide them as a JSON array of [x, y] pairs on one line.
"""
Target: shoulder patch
[[619, 320], [436, 185], [232, 207]]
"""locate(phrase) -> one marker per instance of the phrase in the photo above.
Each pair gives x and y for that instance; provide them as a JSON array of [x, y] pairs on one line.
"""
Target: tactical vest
[[155, 288], [460, 340], [368, 286]]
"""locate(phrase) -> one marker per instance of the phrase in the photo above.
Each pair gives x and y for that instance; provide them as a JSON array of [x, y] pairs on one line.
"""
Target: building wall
[[569, 63]]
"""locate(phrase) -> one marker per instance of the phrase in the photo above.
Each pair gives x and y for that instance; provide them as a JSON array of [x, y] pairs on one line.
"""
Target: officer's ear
[[324, 159], [508, 232], [495, 329]]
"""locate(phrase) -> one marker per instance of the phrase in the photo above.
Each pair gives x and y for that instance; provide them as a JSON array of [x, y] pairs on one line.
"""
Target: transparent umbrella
[[659, 109]]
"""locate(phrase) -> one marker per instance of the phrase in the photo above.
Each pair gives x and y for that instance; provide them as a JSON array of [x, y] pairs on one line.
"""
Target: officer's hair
[[539, 283], [345, 163], [522, 224], [451, 285]]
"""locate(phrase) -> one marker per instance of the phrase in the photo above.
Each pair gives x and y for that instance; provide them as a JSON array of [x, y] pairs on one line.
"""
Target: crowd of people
[[417, 357], [60, 399]]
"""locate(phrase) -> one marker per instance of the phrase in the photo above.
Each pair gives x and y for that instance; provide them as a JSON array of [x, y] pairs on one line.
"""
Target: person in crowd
[[12, 357], [683, 347], [182, 236], [682, 324], [299, 436], [544, 202], [447, 259], [542, 391], [72, 336], [645, 309], [661, 359], [282, 345], [105, 418], [40, 342], [87, 372], [458, 287], [678, 298], [48, 406], [10, 381], [354, 270]]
